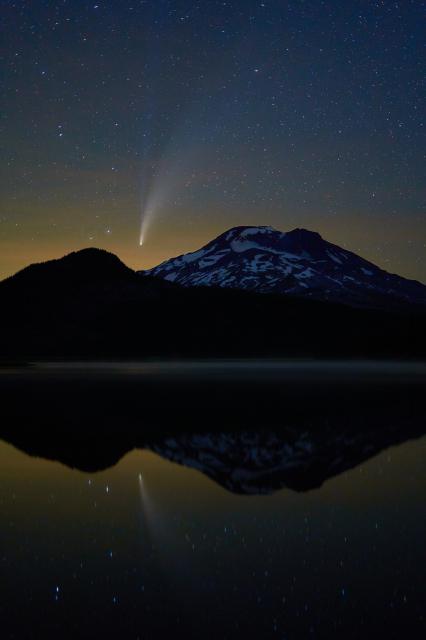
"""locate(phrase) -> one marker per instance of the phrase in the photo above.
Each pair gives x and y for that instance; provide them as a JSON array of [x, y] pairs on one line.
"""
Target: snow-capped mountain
[[298, 263], [255, 463]]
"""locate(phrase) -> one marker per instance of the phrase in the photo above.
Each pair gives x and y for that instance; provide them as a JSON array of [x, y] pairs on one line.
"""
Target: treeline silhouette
[[90, 305]]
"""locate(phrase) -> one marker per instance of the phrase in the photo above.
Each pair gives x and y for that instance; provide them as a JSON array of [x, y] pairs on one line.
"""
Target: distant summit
[[296, 263], [84, 266]]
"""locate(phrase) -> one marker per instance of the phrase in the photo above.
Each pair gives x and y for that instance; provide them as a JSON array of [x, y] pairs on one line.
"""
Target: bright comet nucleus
[[146, 220]]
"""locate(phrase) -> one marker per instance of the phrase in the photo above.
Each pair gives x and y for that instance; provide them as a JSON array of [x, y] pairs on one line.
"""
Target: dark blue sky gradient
[[198, 116]]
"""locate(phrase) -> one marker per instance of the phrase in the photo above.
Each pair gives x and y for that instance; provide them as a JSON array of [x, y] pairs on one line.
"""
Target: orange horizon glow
[[167, 240]]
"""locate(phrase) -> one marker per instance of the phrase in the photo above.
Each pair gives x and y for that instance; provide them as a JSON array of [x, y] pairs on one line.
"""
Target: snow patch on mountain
[[299, 262]]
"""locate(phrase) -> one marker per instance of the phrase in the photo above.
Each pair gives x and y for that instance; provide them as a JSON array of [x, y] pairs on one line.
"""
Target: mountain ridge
[[89, 261], [298, 263], [89, 304]]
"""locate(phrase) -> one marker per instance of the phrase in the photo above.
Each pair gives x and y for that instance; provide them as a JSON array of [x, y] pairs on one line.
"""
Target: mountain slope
[[298, 263], [75, 269], [89, 304]]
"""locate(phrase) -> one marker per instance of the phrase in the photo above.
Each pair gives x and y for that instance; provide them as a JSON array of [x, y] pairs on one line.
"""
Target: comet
[[165, 179], [150, 210], [145, 220]]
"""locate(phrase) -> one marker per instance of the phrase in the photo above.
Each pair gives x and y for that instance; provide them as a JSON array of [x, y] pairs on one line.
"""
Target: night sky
[[191, 117]]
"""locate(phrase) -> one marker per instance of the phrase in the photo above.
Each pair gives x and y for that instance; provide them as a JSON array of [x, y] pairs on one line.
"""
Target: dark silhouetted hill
[[89, 304]]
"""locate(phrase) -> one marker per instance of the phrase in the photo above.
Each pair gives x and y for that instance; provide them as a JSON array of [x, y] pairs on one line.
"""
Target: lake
[[213, 500]]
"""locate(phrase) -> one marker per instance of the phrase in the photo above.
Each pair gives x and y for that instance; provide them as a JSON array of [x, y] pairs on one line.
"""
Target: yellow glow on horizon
[[175, 236]]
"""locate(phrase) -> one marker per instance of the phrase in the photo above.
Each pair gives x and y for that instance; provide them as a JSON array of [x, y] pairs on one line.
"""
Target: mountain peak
[[92, 257], [266, 236], [268, 230], [302, 233], [245, 231], [298, 262], [88, 264]]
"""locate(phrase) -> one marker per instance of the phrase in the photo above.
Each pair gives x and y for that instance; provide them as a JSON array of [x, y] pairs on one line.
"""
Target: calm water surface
[[148, 548]]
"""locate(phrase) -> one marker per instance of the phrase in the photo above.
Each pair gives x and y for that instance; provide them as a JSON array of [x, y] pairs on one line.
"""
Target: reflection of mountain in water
[[260, 463], [253, 429], [249, 462]]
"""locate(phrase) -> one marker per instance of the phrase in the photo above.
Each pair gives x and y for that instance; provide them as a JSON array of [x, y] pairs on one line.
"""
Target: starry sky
[[186, 118]]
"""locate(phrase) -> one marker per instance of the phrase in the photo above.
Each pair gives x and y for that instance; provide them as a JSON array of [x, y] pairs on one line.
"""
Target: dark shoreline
[[90, 414]]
